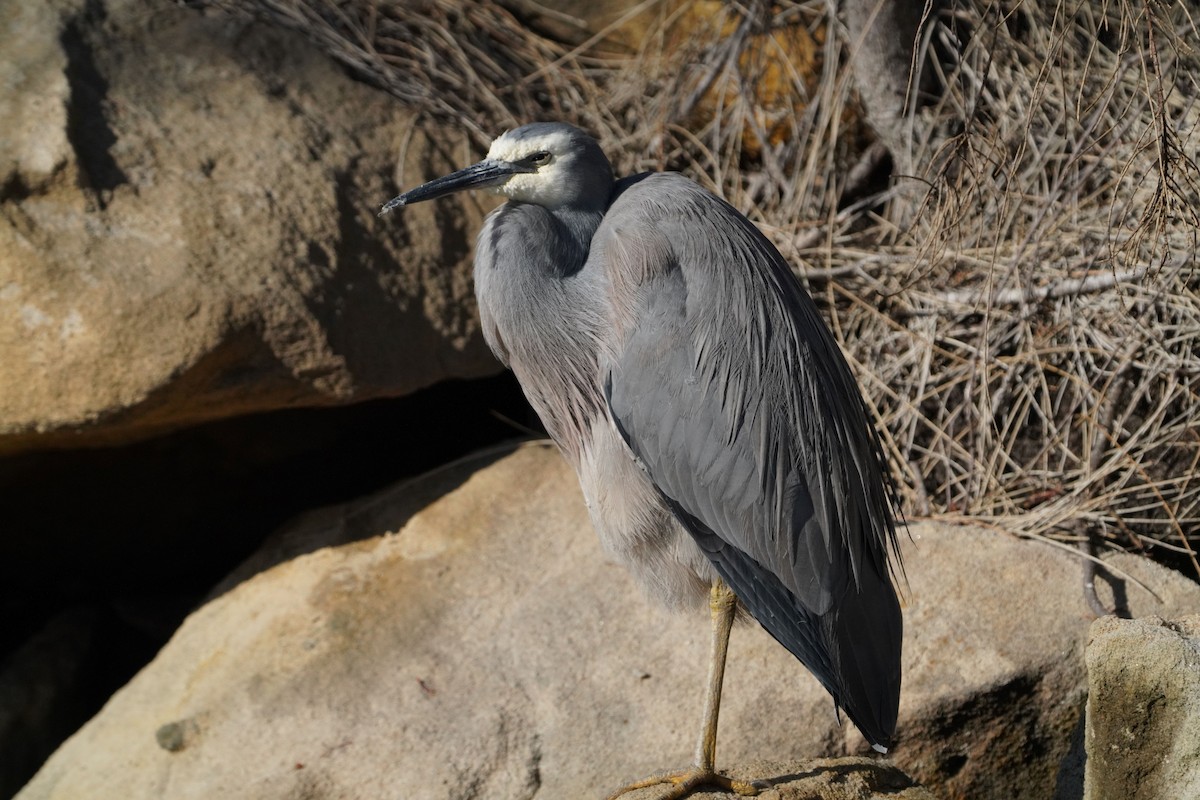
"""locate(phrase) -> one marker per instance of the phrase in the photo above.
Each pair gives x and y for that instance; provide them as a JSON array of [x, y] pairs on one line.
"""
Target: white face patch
[[547, 186], [509, 148]]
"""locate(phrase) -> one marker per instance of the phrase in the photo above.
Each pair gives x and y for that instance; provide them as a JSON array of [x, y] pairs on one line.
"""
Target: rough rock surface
[[995, 682], [1143, 713], [463, 636], [848, 778], [188, 228]]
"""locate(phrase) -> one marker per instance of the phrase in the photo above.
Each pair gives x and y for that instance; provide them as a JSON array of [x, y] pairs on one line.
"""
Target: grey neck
[[580, 225]]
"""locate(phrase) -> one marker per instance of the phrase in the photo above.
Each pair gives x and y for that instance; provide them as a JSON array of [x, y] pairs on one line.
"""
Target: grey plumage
[[713, 422]]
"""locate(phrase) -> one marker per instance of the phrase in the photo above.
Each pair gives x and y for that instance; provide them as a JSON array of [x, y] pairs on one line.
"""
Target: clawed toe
[[688, 781]]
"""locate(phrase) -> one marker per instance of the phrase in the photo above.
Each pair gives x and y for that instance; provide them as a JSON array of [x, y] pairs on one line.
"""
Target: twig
[[1067, 287]]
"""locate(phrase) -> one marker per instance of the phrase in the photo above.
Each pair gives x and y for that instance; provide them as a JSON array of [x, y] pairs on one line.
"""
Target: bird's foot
[[688, 781]]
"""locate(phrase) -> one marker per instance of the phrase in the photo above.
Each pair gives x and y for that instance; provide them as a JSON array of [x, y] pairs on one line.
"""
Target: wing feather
[[730, 390]]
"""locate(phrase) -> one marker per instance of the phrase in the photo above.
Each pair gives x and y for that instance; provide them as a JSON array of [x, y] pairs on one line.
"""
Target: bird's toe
[[688, 781]]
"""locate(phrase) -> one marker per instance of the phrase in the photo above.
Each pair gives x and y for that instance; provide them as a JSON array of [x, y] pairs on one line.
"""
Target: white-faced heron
[[719, 436]]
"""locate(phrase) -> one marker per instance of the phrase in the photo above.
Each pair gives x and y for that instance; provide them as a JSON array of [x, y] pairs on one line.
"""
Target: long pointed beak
[[486, 173]]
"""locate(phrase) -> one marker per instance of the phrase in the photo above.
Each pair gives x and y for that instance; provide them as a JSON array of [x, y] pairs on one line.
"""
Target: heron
[[721, 441]]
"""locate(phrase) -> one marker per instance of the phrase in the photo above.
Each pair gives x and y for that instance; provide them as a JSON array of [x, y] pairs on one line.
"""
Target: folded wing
[[731, 392]]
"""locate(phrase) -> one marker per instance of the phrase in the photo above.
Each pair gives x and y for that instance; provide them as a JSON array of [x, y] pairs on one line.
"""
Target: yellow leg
[[723, 604]]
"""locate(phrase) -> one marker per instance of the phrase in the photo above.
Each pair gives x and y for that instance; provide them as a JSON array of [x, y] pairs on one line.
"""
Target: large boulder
[[1143, 713], [465, 630], [995, 683], [188, 228]]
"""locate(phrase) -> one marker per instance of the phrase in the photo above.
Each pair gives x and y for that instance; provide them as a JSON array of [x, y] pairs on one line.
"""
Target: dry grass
[[1024, 312]]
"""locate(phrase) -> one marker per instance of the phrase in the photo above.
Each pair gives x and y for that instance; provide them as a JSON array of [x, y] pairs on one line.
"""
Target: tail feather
[[863, 634]]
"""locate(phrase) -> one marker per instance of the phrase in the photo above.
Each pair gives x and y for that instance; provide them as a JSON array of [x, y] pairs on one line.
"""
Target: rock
[[463, 635], [33, 98], [188, 228], [1143, 712], [850, 778], [995, 682]]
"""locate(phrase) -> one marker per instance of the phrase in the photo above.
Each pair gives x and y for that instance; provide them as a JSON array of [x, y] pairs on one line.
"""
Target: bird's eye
[[540, 159]]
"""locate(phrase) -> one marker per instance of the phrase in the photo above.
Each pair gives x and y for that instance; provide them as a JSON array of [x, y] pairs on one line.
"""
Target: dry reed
[[1023, 313]]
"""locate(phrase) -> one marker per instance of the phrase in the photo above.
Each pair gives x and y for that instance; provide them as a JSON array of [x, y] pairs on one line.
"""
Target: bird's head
[[550, 164]]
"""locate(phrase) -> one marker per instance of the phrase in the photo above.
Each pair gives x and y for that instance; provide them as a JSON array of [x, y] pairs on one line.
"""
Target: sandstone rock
[[995, 682], [33, 97], [188, 228], [850, 778], [1143, 712], [463, 636]]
